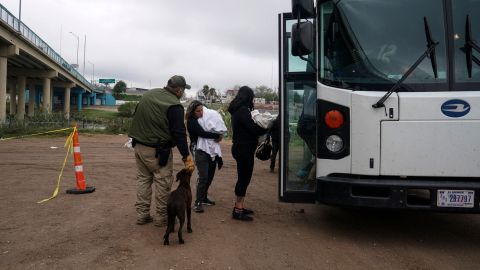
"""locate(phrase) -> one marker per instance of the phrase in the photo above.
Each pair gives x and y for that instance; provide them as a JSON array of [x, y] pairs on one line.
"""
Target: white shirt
[[211, 121]]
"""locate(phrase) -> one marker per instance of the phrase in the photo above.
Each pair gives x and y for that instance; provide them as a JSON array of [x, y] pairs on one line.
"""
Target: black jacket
[[245, 131]]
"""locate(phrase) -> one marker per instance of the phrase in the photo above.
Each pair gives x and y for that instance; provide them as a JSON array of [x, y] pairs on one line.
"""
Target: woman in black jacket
[[203, 161], [245, 141]]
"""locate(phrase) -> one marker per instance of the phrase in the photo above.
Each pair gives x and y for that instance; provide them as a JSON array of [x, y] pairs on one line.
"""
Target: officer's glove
[[189, 165]]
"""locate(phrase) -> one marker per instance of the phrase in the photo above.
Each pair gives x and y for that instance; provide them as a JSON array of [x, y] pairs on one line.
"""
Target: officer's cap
[[178, 81]]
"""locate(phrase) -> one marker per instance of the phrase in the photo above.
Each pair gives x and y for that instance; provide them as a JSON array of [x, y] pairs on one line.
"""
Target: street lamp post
[[93, 73], [84, 49], [78, 43], [20, 11]]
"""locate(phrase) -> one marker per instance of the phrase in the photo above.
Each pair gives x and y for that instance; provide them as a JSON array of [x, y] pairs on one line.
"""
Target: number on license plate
[[455, 198]]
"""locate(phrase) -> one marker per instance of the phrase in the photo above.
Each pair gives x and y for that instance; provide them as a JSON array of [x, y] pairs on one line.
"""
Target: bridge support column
[[46, 95], [21, 98], [12, 86], [66, 104], [52, 94], [38, 95], [79, 101], [31, 98], [3, 89], [5, 52]]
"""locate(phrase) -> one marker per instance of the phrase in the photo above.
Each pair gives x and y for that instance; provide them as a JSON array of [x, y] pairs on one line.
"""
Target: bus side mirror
[[302, 38], [302, 9]]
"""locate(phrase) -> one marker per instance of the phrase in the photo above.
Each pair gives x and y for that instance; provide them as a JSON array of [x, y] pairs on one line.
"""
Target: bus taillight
[[334, 119], [333, 130]]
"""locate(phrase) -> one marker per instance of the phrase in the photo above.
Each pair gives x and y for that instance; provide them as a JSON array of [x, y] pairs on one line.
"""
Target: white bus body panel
[[425, 142], [342, 97], [365, 130], [427, 105], [431, 148]]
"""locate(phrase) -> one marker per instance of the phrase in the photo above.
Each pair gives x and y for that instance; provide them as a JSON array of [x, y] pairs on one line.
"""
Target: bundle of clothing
[[264, 120], [211, 121]]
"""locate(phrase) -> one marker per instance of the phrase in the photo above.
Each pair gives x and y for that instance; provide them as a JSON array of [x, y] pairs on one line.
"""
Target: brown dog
[[179, 202]]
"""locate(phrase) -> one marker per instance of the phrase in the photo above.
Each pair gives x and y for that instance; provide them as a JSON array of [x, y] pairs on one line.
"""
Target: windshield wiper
[[469, 45], [430, 51]]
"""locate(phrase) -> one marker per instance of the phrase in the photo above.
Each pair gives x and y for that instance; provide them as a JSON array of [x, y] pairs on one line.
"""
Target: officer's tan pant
[[148, 173]]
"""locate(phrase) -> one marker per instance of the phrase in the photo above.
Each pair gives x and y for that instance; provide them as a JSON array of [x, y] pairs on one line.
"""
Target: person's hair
[[244, 97], [191, 109]]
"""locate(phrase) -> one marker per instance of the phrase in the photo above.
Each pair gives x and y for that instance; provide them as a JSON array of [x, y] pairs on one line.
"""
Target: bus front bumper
[[395, 193]]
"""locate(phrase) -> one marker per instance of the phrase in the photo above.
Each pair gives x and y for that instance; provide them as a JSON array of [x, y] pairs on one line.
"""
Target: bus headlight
[[334, 143]]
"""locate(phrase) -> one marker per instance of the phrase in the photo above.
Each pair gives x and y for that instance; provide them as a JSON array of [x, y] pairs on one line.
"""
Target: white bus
[[380, 104]]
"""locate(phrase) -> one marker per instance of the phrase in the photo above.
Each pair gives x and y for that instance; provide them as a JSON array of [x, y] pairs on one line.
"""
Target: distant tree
[[265, 92], [209, 93], [205, 90], [212, 94], [119, 90]]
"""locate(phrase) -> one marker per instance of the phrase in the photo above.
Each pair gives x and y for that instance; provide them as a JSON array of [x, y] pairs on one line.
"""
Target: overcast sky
[[221, 43]]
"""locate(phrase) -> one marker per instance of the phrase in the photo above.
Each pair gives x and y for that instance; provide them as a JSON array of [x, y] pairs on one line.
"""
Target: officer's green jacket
[[150, 124]]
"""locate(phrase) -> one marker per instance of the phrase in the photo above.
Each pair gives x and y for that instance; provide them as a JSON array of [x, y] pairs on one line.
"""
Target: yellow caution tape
[[69, 146], [36, 134]]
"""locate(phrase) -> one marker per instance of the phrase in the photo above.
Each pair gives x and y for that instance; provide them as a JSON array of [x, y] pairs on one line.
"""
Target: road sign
[[106, 80]]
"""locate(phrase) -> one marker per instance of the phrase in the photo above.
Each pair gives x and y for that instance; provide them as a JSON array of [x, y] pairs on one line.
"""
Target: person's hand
[[219, 139], [188, 162]]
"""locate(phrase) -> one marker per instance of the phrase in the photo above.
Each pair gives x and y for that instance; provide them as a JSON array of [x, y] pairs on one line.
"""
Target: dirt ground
[[98, 230]]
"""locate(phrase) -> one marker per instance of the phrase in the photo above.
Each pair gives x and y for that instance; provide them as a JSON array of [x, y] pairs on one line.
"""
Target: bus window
[[301, 138]]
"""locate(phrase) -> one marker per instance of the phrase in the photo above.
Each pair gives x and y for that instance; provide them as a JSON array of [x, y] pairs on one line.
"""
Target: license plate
[[455, 198]]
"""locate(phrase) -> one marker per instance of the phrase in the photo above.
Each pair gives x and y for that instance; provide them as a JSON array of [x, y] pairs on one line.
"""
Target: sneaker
[[198, 208], [241, 216], [207, 201], [144, 220]]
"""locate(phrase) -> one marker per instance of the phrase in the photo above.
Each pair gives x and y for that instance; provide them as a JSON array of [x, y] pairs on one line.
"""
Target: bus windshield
[[461, 10], [367, 45]]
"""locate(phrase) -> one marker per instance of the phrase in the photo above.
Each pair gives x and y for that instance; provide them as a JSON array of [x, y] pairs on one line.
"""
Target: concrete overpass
[[29, 67]]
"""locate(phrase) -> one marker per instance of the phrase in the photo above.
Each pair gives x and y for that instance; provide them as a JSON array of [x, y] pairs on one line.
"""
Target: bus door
[[298, 95]]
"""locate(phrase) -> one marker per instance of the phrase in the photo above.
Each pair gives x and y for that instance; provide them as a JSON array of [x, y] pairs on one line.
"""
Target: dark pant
[[274, 154], [206, 172], [244, 155]]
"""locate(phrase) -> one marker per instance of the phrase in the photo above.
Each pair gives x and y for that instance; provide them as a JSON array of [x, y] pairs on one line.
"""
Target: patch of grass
[[132, 98], [93, 113]]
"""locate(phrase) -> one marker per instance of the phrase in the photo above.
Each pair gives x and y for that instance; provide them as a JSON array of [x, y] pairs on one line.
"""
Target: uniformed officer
[[157, 127]]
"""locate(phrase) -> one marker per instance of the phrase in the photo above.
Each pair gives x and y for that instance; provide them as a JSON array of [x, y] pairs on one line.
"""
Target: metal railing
[[36, 41]]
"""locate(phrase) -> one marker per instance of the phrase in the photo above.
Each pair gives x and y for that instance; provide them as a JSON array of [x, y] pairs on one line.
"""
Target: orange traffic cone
[[77, 162]]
